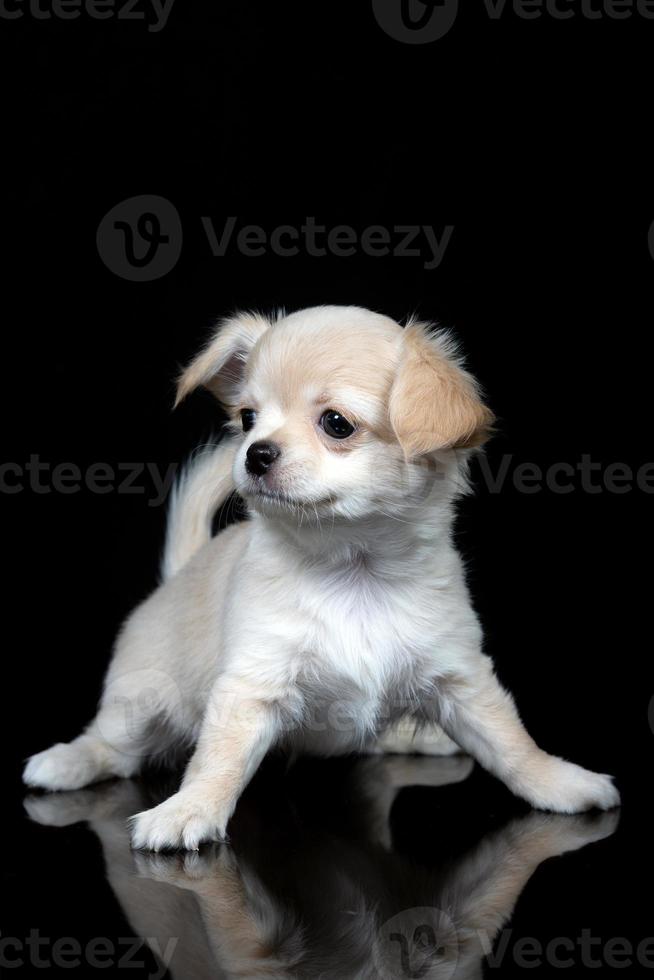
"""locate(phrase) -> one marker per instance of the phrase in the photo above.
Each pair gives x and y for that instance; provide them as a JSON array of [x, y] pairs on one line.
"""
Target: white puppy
[[338, 614]]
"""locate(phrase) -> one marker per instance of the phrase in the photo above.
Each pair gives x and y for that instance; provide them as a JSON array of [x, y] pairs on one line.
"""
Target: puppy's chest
[[363, 627]]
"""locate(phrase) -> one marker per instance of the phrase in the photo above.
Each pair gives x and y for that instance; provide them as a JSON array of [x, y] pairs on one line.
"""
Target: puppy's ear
[[221, 365], [434, 403]]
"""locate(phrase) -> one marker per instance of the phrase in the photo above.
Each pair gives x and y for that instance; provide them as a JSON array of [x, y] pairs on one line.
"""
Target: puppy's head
[[337, 408]]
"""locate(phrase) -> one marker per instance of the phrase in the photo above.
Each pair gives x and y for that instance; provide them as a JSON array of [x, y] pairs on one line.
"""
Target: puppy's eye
[[336, 425], [248, 418]]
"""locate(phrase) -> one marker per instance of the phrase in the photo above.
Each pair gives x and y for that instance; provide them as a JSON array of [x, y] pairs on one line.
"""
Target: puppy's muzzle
[[260, 457]]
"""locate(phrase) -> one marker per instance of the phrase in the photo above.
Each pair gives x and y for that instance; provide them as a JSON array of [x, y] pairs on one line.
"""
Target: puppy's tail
[[203, 485]]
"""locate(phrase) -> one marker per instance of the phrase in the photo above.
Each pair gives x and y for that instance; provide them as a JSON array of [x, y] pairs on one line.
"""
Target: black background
[[532, 139]]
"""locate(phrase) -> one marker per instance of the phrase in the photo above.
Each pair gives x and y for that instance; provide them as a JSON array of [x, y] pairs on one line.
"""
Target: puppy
[[337, 618]]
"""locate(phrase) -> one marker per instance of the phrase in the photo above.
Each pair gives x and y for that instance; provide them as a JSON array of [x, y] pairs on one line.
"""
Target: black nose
[[260, 457]]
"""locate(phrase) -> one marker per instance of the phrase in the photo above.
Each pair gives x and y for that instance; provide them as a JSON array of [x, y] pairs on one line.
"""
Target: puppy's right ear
[[221, 365]]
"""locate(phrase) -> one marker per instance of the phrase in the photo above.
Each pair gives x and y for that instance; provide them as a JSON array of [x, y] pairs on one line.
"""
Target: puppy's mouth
[[278, 498]]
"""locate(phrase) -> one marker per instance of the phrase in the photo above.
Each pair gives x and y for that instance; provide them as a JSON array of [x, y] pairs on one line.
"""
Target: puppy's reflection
[[291, 899]]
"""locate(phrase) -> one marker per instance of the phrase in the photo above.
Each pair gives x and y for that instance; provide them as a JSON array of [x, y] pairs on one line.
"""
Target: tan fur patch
[[219, 367], [434, 403]]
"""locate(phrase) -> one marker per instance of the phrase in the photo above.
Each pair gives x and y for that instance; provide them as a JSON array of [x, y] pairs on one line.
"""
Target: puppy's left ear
[[434, 402], [220, 367]]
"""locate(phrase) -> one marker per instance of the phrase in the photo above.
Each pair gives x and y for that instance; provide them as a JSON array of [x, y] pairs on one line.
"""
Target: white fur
[[338, 613], [197, 494]]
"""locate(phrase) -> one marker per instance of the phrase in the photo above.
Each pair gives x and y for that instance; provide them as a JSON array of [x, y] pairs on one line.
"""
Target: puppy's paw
[[544, 835], [108, 801], [402, 770], [182, 822], [569, 833], [563, 787], [59, 810], [406, 737], [191, 870], [64, 766]]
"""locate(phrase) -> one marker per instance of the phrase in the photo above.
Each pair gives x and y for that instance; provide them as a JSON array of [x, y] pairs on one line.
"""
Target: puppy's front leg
[[238, 728], [481, 717]]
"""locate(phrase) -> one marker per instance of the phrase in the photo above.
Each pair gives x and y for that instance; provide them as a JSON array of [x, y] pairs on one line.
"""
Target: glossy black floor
[[384, 866]]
